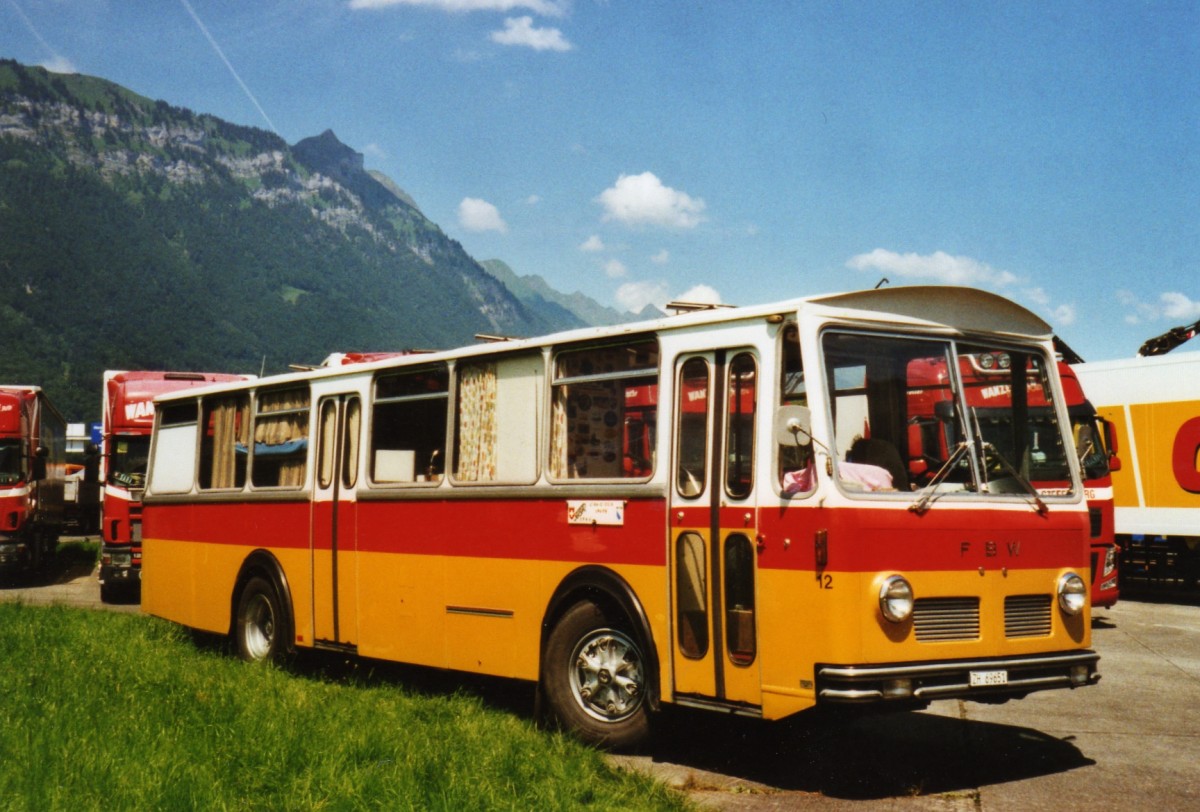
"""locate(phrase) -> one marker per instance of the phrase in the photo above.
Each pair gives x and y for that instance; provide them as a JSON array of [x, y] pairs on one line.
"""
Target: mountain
[[537, 295], [139, 235]]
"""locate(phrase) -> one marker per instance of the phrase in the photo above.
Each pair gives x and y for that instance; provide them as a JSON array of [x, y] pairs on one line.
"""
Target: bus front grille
[[941, 619], [1027, 616]]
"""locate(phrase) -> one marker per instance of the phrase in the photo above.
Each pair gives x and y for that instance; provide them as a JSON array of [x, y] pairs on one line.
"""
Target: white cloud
[[374, 150], [936, 267], [661, 258], [1172, 305], [1062, 315], [533, 200], [700, 294], [615, 269], [644, 200], [634, 296], [1038, 296], [521, 31], [546, 8], [60, 64], [479, 215], [592, 244], [1179, 307]]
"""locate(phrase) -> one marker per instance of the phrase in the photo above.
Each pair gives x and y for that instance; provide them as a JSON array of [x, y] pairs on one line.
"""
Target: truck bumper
[[120, 567]]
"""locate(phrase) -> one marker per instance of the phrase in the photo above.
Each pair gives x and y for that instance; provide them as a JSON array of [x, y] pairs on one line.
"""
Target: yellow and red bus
[[777, 542]]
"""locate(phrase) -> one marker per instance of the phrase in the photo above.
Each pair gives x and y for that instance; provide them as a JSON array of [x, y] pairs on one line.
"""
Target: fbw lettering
[[991, 549]]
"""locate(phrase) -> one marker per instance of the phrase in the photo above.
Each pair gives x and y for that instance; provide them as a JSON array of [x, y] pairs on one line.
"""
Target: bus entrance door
[[714, 519], [334, 521]]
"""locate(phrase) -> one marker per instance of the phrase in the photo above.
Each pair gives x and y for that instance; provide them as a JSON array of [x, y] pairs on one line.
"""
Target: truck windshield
[[10, 462], [128, 459], [910, 412]]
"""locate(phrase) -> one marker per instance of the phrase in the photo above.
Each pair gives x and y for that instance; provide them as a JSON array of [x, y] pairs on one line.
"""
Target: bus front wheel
[[594, 676], [261, 622]]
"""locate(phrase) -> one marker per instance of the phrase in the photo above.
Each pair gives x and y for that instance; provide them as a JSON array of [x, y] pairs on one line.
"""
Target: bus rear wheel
[[594, 676], [261, 622]]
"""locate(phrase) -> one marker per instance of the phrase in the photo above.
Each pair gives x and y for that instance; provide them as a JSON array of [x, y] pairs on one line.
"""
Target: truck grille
[[940, 619], [1027, 616]]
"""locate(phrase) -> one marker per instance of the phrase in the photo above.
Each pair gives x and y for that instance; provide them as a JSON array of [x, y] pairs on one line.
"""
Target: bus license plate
[[982, 678]]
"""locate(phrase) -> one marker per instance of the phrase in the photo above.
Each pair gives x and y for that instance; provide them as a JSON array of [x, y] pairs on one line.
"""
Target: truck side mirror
[[39, 463], [1110, 443]]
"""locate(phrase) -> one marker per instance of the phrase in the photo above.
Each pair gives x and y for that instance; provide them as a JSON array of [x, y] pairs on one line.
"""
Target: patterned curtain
[[558, 434], [476, 458], [224, 426]]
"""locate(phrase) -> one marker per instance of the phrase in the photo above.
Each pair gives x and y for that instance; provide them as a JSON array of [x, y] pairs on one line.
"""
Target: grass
[[118, 711]]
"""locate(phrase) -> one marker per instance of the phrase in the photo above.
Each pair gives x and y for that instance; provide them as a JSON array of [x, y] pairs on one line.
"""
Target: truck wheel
[[594, 676], [261, 630]]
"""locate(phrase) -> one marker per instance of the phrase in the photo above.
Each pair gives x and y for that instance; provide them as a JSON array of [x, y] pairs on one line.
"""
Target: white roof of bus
[[957, 308]]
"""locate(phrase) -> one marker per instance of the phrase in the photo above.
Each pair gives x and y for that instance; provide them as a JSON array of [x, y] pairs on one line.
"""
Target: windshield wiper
[[1020, 479], [930, 490]]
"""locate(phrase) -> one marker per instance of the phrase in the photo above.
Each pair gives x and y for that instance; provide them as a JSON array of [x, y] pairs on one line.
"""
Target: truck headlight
[[896, 599], [1072, 593]]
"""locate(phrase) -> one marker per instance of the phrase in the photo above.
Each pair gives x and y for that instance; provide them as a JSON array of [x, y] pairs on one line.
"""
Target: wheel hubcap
[[260, 627], [606, 675]]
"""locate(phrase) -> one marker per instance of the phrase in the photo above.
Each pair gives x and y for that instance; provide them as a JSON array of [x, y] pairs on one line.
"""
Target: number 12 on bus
[[753, 510]]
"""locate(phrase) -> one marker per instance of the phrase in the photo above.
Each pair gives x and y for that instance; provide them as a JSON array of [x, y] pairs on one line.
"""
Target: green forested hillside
[[137, 235]]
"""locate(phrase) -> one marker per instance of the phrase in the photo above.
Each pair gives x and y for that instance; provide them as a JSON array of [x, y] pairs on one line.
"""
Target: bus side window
[[175, 458], [739, 426], [795, 464], [497, 420], [225, 423], [280, 451], [605, 399], [691, 444], [408, 427]]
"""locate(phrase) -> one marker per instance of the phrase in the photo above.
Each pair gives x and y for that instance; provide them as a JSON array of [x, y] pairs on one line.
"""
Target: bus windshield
[[127, 461], [913, 412]]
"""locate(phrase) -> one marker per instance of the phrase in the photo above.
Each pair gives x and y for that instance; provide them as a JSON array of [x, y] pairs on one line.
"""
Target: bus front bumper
[[985, 680]]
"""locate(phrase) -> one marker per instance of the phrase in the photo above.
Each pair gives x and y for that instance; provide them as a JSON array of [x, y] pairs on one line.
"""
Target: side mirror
[[944, 410], [39, 463], [793, 426], [1110, 443]]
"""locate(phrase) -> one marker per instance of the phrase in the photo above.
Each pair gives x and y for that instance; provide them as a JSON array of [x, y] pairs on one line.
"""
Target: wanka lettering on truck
[[1183, 456], [991, 549], [139, 410]]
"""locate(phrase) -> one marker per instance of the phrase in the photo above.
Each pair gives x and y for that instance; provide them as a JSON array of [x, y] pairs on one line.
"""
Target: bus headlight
[[896, 599], [1072, 593]]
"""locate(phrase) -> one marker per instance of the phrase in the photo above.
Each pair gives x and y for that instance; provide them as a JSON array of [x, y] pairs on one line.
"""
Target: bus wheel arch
[[594, 617], [261, 615]]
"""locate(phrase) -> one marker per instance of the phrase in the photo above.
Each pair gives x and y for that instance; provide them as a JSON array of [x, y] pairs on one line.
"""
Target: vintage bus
[[674, 511]]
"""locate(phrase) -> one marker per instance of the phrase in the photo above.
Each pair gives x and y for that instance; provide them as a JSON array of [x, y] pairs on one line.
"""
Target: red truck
[[33, 443], [127, 419]]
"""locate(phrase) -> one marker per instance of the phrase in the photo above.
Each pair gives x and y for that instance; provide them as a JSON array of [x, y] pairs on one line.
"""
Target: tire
[[595, 678], [261, 630]]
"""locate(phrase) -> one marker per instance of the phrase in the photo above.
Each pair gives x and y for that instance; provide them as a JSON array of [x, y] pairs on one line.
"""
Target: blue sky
[[733, 151]]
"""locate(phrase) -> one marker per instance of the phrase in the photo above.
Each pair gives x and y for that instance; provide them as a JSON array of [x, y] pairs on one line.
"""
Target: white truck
[[1153, 404]]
